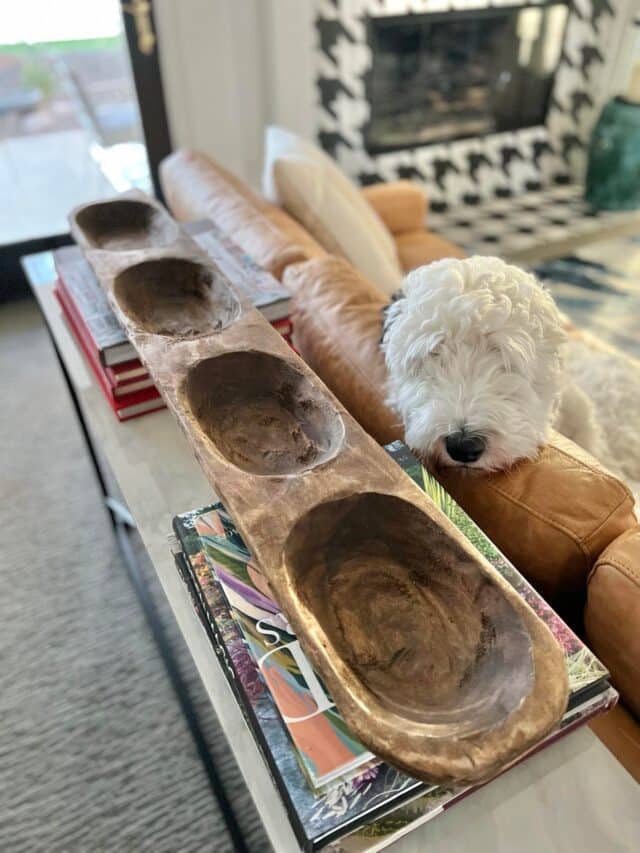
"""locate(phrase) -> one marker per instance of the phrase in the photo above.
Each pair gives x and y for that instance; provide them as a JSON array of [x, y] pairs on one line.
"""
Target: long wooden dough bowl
[[436, 664]]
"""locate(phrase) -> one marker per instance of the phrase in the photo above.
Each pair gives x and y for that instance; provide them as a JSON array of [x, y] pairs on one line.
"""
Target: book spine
[[118, 405], [89, 353], [129, 371], [209, 624], [124, 415], [82, 330], [91, 304], [123, 389]]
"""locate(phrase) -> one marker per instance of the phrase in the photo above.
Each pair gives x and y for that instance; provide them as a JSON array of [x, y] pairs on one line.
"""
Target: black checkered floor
[[506, 226]]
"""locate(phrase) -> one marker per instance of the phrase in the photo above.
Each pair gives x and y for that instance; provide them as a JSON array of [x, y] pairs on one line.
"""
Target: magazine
[[325, 746]]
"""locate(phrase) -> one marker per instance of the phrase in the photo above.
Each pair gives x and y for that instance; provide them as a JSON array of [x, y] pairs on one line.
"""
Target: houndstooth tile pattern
[[461, 172]]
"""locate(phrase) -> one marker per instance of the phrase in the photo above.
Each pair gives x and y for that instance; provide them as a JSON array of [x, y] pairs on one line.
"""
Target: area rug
[[598, 288], [94, 752]]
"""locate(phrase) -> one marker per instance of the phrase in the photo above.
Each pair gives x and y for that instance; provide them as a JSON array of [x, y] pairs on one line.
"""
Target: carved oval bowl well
[[413, 616], [176, 297], [125, 224], [263, 414]]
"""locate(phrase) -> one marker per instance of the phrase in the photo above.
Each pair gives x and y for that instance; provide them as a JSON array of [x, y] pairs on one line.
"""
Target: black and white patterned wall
[[462, 171]]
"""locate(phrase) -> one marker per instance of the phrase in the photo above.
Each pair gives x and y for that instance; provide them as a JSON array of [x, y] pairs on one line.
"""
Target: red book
[[283, 326], [120, 374], [125, 407], [76, 279], [116, 375], [127, 386]]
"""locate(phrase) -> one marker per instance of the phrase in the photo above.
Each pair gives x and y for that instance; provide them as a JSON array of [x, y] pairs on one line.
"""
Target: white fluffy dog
[[475, 353]]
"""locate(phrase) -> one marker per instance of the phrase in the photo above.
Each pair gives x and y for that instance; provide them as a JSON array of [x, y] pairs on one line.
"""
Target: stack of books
[[124, 380], [339, 797]]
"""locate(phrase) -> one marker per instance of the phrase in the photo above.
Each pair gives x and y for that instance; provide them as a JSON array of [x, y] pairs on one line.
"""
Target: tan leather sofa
[[567, 524]]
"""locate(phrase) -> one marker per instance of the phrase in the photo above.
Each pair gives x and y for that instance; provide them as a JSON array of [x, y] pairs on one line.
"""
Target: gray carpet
[[94, 752]]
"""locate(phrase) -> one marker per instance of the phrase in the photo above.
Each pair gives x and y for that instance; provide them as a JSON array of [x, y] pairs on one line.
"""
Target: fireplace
[[441, 76]]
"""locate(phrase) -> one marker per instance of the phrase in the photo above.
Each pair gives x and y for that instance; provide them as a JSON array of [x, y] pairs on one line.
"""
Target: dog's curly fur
[[475, 347]]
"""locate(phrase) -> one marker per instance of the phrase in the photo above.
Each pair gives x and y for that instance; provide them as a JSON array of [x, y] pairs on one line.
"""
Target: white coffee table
[[573, 796]]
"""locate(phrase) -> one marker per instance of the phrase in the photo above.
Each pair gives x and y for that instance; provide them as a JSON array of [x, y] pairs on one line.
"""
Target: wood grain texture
[[434, 661]]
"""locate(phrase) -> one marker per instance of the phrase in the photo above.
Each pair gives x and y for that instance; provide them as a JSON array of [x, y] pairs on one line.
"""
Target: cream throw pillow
[[308, 185]]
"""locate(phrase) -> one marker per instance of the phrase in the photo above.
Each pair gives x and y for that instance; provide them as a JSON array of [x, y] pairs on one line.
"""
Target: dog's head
[[475, 356]]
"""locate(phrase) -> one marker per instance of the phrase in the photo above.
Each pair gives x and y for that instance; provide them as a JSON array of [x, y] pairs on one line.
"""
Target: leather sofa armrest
[[612, 614], [552, 517], [191, 183], [619, 731], [197, 188], [401, 205]]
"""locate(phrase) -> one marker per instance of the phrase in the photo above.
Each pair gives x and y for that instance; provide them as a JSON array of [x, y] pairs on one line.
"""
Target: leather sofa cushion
[[612, 614], [401, 205], [562, 504], [419, 247], [196, 188], [337, 316]]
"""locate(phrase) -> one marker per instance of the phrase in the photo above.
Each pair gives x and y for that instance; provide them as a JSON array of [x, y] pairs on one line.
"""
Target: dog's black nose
[[465, 447]]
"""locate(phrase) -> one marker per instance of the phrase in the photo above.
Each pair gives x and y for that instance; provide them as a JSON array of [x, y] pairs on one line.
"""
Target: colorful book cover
[[317, 816], [325, 746]]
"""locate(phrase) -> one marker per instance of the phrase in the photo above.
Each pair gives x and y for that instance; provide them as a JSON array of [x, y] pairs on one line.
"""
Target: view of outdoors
[[69, 123]]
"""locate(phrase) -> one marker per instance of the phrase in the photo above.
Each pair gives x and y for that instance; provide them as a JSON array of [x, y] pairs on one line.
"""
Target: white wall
[[229, 68], [211, 54], [622, 51], [290, 64]]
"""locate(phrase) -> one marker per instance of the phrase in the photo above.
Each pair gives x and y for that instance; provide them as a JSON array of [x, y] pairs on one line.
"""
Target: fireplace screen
[[437, 77]]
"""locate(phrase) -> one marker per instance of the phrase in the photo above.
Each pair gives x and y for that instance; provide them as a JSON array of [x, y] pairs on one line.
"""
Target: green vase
[[613, 173]]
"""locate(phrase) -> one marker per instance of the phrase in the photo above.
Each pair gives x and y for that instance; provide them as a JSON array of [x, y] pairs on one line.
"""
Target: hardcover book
[[332, 788], [128, 371], [138, 401], [92, 309], [249, 279], [325, 747]]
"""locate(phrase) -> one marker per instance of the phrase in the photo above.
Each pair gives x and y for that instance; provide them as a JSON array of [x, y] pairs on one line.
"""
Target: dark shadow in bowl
[[126, 224], [263, 414], [176, 297]]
